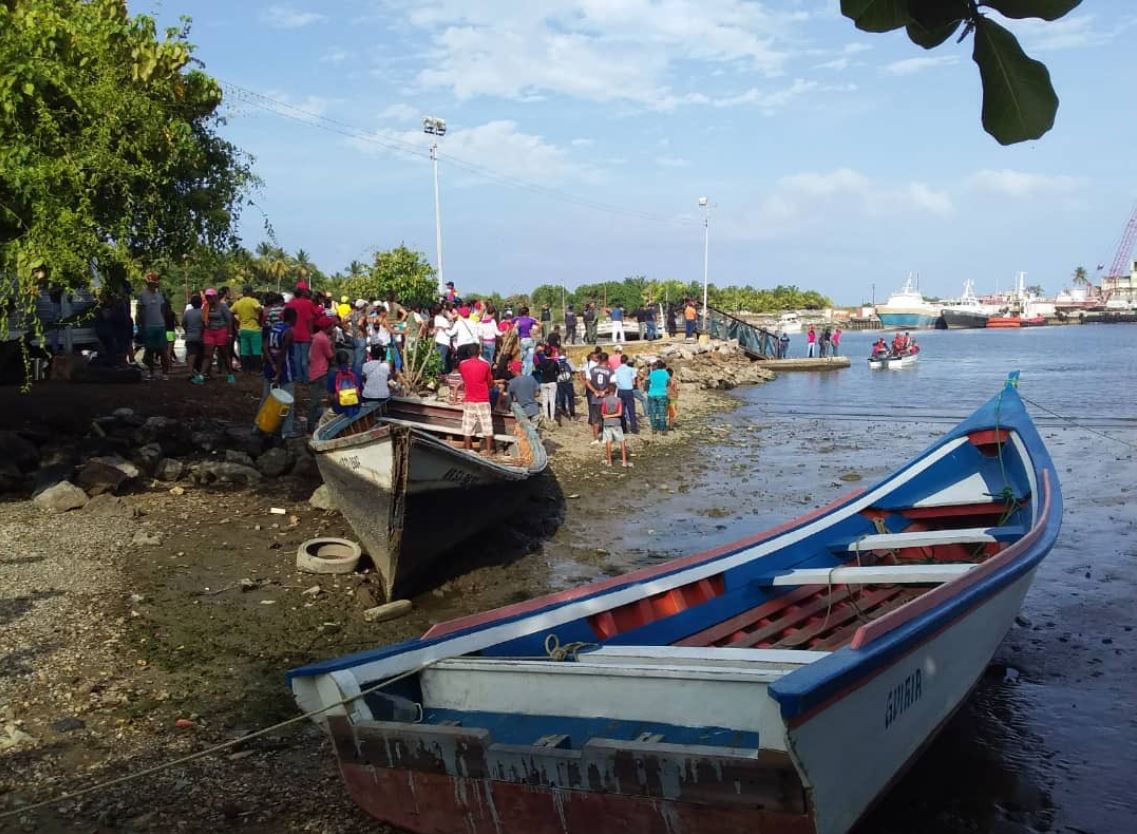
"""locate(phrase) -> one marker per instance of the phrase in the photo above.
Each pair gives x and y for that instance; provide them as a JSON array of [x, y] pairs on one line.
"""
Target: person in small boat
[[377, 377], [612, 412], [343, 386], [524, 389], [477, 380], [879, 348]]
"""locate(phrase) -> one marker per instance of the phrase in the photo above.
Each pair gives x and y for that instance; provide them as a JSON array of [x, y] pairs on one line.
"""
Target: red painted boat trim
[[894, 619], [989, 436], [1006, 556], [432, 803], [570, 594]]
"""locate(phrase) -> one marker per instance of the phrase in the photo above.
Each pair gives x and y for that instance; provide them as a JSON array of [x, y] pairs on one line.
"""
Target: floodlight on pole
[[433, 126], [705, 205]]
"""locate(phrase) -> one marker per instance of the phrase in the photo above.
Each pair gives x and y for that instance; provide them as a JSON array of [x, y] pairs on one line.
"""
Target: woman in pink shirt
[[320, 356], [811, 341]]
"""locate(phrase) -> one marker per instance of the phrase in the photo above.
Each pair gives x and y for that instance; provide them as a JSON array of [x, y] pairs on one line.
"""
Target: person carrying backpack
[[343, 386], [566, 392]]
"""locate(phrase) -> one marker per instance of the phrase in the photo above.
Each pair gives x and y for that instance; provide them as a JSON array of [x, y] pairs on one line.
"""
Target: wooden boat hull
[[778, 684], [393, 483]]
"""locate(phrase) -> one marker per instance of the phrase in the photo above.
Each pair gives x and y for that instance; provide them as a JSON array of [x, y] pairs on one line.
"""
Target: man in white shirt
[[376, 377]]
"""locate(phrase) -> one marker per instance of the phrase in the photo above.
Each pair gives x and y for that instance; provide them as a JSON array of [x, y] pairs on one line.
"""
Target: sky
[[581, 133]]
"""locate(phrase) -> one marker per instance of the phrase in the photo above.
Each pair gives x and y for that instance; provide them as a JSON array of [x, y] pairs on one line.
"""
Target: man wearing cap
[[343, 309], [247, 311], [152, 324]]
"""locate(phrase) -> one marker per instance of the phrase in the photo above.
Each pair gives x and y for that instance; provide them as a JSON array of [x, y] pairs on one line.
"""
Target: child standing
[[612, 412]]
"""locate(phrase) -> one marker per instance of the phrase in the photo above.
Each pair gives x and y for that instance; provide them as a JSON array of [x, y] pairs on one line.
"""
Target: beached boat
[[410, 492], [907, 309], [778, 684]]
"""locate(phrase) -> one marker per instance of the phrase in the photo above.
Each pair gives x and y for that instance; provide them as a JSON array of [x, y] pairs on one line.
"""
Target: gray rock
[[18, 450], [67, 725], [61, 498], [123, 413], [322, 498], [242, 458], [170, 469], [106, 474], [244, 440], [305, 467], [274, 462], [48, 475], [298, 447], [110, 506], [207, 440], [146, 538], [219, 472], [147, 457], [59, 453], [11, 478]]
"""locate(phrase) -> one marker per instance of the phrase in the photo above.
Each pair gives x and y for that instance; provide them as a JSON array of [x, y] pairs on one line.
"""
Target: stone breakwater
[[717, 365]]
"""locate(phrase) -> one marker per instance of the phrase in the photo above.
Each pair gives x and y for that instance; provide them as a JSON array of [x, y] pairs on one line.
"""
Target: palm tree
[[355, 269], [264, 250], [277, 268], [1080, 279], [303, 264]]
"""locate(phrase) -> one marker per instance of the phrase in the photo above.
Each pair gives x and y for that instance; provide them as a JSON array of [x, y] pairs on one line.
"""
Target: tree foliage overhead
[[1019, 102], [109, 152]]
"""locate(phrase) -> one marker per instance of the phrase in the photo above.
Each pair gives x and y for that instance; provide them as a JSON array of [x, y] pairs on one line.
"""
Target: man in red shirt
[[306, 313], [478, 379]]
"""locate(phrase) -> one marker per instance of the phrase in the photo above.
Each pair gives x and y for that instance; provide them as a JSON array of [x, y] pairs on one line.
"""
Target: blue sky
[[581, 133]]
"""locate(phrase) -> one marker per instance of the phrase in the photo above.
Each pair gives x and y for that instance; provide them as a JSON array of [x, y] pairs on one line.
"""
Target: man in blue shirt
[[617, 316], [625, 377]]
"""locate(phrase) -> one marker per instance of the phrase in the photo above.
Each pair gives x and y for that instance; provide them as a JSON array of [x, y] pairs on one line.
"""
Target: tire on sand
[[328, 555]]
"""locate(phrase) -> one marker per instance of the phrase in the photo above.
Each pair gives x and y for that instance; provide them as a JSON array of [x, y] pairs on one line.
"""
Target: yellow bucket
[[274, 410]]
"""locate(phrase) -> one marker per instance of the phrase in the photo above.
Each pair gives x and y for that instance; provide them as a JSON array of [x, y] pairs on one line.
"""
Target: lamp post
[[705, 205], [436, 127]]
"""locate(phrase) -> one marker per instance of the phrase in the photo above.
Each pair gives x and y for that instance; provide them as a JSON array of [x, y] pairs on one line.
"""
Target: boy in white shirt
[[377, 377]]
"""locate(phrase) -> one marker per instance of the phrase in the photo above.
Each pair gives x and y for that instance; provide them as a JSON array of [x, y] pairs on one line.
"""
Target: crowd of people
[[825, 344]]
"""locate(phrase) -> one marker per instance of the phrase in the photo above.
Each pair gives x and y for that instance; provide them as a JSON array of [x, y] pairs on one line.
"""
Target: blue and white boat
[[906, 309], [778, 684]]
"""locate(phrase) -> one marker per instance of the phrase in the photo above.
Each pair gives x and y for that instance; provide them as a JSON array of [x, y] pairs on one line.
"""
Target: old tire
[[328, 555]]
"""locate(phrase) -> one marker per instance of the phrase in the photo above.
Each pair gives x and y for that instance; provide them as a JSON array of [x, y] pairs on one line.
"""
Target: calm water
[[1048, 740]]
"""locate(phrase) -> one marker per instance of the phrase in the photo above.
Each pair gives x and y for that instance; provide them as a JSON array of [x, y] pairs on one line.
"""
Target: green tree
[[110, 153], [1080, 279], [399, 274], [549, 294], [1019, 102]]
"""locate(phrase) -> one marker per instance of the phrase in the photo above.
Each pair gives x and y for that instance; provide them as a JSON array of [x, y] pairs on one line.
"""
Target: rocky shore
[[150, 600]]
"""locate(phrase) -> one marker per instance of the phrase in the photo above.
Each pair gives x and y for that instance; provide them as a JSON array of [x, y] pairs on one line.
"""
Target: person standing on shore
[[783, 345], [649, 322], [836, 341], [306, 312], [320, 356], [657, 382], [279, 370], [672, 320], [549, 371], [811, 342], [566, 393], [570, 325], [596, 384], [612, 413], [826, 338], [589, 323], [441, 327], [194, 327], [546, 317], [625, 378], [524, 324], [247, 311], [690, 316], [617, 316], [152, 326], [477, 379], [672, 398], [218, 324]]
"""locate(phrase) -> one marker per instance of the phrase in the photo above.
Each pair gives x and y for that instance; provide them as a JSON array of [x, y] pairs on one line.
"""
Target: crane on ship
[[1122, 265]]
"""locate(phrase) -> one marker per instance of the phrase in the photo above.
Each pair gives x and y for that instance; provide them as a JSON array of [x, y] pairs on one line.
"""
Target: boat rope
[[1078, 425], [569, 651], [209, 751]]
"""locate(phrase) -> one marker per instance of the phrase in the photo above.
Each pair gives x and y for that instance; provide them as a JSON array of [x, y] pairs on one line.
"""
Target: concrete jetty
[[829, 363]]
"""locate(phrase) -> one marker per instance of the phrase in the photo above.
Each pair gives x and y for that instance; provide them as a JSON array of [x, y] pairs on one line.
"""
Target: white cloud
[[811, 199], [399, 112], [1010, 183], [911, 66], [1072, 32], [599, 50], [581, 143], [288, 17], [335, 55], [498, 146], [671, 162], [305, 108]]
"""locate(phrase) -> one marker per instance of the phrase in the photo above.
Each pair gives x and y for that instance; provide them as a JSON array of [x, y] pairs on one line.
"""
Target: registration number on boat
[[902, 696]]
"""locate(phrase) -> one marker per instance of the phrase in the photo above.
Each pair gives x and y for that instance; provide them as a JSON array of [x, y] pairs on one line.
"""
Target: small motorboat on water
[[399, 475], [893, 362], [777, 684]]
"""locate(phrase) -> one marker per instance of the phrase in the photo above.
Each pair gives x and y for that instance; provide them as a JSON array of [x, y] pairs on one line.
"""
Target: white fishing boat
[[789, 322], [906, 309], [402, 480]]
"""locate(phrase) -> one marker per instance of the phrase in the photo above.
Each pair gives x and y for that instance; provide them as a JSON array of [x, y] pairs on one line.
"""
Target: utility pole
[[437, 128], [705, 205]]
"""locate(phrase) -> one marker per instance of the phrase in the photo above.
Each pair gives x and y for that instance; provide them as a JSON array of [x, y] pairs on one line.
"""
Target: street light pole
[[436, 127], [705, 205]]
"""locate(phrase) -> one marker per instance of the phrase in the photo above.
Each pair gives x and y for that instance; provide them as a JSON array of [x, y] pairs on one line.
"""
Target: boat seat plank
[[699, 656], [928, 538], [720, 631], [817, 605], [436, 429], [874, 575], [851, 609]]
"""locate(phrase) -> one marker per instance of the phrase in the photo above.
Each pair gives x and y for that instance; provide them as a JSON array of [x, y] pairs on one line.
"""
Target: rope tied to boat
[[569, 651], [1078, 425], [217, 748]]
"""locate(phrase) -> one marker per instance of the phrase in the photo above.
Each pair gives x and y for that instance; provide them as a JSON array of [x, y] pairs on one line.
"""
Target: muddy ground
[[164, 622]]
